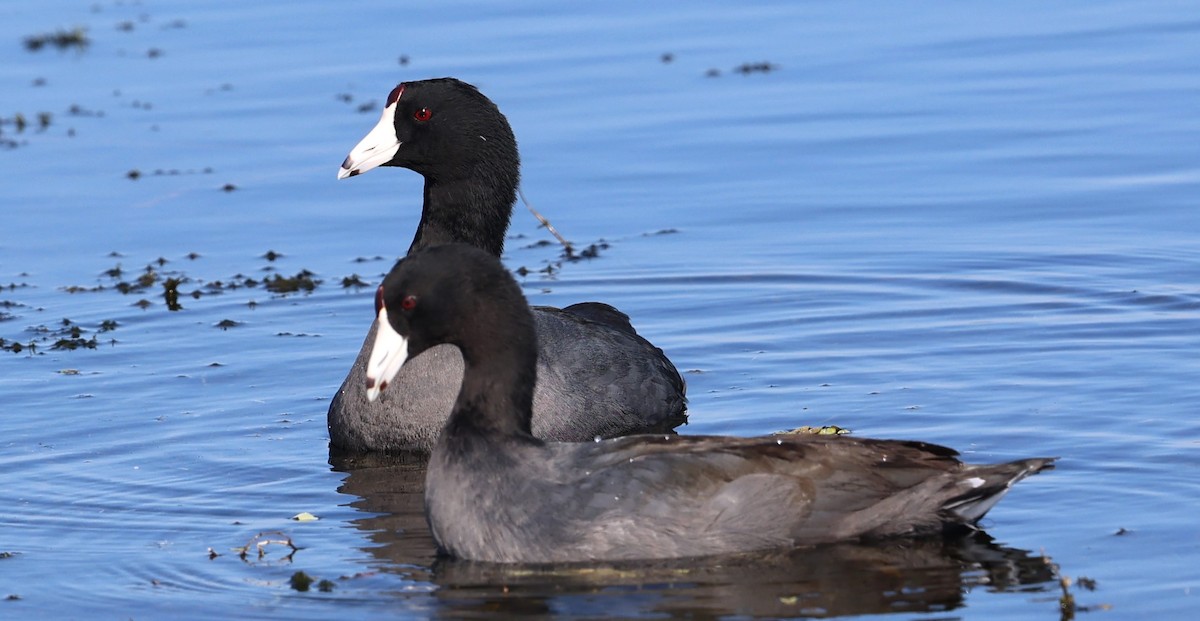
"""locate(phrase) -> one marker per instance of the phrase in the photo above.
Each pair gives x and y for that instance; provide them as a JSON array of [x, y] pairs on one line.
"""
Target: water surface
[[973, 225]]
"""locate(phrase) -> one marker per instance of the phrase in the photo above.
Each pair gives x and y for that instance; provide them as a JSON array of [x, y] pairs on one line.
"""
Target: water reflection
[[391, 490], [905, 576]]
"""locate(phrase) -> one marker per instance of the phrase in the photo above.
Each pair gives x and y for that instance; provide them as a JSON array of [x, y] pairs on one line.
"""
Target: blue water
[[973, 225]]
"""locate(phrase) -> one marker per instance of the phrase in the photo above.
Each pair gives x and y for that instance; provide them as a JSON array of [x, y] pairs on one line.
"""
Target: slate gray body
[[645, 497], [628, 387]]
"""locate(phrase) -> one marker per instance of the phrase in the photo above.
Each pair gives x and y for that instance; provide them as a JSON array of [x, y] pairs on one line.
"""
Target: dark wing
[[692, 495], [602, 313], [600, 378]]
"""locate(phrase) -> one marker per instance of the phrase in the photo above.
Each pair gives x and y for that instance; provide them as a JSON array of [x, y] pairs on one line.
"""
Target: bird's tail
[[984, 486]]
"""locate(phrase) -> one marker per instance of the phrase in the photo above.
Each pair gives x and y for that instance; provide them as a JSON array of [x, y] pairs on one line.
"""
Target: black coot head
[[454, 293], [442, 128]]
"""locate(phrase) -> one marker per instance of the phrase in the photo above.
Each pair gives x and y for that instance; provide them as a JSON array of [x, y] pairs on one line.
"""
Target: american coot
[[596, 375], [494, 492]]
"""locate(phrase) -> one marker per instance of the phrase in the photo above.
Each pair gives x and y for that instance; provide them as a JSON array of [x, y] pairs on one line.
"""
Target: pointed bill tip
[[347, 169], [374, 390]]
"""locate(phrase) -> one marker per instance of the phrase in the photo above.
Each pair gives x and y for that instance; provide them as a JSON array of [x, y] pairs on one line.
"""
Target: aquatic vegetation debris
[[62, 39]]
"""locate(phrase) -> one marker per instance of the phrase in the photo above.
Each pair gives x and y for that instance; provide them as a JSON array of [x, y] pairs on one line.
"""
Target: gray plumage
[[494, 492], [594, 381], [644, 497]]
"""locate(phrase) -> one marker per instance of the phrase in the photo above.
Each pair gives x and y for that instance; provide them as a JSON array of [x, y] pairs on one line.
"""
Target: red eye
[[409, 302], [422, 115]]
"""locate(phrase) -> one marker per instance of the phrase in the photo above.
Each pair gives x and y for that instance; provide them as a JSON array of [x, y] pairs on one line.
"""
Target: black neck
[[496, 399], [465, 211]]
